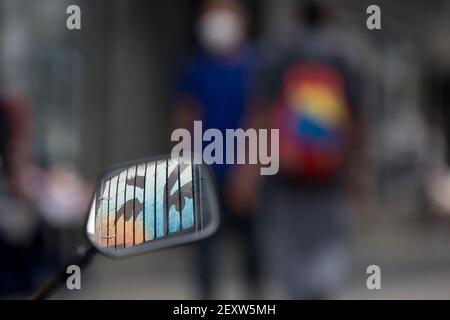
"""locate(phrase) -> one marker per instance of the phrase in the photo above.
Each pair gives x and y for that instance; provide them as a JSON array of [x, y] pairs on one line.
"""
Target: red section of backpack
[[311, 149]]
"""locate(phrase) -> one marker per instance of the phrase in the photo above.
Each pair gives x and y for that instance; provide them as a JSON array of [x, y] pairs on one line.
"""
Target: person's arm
[[186, 107], [244, 184], [185, 111]]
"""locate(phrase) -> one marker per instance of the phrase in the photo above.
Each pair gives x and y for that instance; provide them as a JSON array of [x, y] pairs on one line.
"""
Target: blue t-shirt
[[221, 88]]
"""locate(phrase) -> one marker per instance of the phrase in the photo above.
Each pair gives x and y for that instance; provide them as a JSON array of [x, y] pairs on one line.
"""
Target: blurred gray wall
[[130, 49]]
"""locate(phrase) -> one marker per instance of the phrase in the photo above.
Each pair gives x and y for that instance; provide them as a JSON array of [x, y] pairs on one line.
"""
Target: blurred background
[[73, 103]]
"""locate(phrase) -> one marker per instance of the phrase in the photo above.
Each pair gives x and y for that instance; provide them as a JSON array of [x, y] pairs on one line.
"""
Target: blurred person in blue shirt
[[214, 88]]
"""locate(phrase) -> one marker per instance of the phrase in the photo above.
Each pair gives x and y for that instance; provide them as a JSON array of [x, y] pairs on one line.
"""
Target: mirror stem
[[46, 290]]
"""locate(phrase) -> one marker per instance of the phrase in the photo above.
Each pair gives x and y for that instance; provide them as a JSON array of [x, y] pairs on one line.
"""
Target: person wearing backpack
[[310, 94]]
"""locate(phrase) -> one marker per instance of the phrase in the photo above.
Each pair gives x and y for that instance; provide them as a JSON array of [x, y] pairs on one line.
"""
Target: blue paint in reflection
[[174, 220], [160, 198], [150, 203]]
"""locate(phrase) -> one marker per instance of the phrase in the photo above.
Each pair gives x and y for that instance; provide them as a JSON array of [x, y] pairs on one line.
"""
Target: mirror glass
[[152, 204]]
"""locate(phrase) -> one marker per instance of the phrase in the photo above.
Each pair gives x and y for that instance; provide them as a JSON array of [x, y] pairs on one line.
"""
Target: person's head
[[222, 26], [313, 13]]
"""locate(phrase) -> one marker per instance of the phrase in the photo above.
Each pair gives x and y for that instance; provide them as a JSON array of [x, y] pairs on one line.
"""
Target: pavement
[[414, 259]]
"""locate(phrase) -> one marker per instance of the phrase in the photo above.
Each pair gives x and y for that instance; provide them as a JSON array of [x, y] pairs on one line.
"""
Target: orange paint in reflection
[[119, 234]]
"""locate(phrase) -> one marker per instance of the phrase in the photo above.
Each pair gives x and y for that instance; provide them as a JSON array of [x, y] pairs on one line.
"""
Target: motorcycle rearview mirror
[[150, 205], [144, 206]]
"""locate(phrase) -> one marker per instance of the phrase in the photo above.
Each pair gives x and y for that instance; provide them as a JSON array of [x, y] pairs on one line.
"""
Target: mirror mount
[[46, 290]]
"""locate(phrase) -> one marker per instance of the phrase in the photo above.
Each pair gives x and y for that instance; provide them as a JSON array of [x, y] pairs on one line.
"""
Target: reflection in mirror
[[152, 205]]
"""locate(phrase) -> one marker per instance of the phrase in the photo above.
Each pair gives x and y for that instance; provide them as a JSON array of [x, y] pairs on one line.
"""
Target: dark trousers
[[241, 227]]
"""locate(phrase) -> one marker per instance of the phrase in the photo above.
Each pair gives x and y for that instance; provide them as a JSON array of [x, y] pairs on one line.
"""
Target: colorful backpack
[[315, 122]]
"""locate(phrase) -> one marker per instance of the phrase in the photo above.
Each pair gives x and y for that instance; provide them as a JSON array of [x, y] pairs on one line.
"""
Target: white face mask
[[221, 31]]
